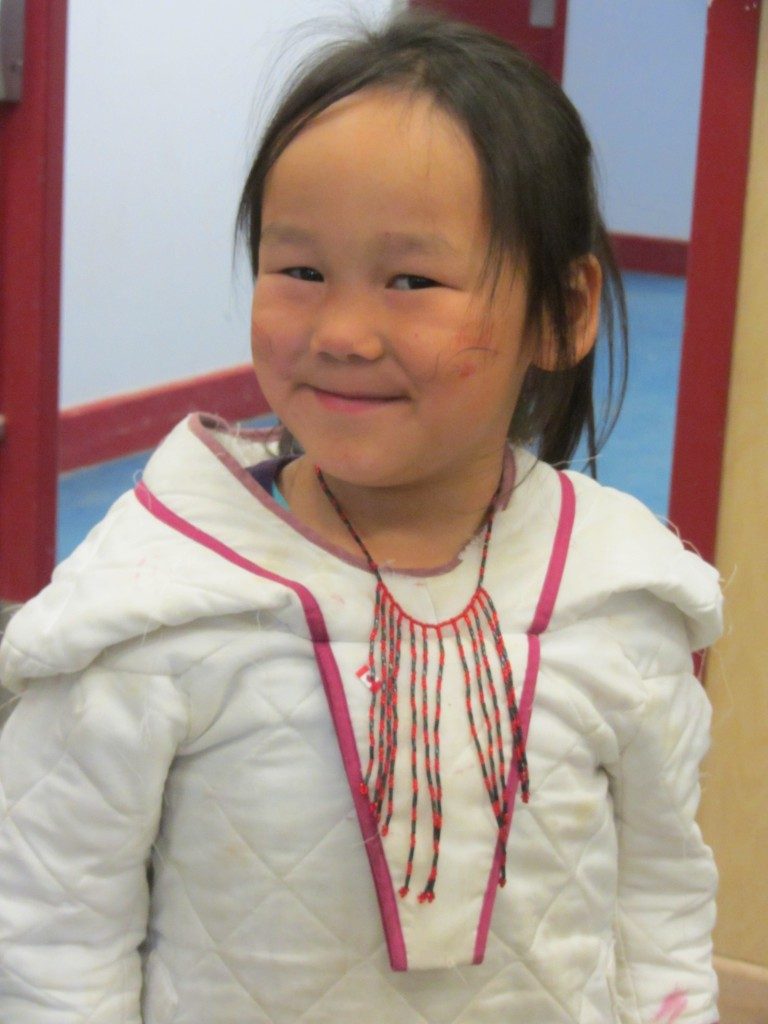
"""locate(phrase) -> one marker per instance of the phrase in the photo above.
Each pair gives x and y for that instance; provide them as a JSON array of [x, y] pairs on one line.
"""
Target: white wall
[[163, 103], [634, 70]]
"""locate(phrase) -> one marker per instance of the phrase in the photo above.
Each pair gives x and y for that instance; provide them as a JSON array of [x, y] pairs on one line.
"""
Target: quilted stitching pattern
[[290, 882], [263, 908], [79, 810]]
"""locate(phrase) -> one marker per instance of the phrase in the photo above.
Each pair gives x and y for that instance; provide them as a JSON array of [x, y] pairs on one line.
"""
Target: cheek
[[471, 354], [274, 345], [280, 324], [488, 348], [480, 369], [262, 343], [447, 356], [475, 341]]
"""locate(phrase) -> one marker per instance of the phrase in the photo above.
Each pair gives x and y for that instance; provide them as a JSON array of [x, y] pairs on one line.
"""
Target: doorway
[[535, 26]]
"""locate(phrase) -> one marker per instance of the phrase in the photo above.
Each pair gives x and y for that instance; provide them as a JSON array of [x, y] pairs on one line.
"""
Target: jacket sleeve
[[667, 879], [83, 763]]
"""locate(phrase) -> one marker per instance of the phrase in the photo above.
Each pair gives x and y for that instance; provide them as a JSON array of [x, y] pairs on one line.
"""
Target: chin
[[360, 470]]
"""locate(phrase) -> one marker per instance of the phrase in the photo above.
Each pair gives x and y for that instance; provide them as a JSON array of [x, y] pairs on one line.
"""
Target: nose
[[346, 330]]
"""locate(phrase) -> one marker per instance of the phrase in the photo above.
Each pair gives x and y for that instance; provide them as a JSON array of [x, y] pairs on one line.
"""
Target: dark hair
[[539, 189]]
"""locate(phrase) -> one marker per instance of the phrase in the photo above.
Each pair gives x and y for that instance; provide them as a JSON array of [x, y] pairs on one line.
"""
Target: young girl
[[402, 721]]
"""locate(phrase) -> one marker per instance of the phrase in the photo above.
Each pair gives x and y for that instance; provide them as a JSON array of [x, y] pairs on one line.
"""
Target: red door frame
[[31, 161], [730, 67]]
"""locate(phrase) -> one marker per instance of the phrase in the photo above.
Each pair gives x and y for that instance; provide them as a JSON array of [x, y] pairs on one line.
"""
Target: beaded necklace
[[392, 626]]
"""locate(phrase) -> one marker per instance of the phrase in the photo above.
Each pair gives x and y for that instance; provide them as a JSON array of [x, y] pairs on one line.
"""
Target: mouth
[[357, 401]]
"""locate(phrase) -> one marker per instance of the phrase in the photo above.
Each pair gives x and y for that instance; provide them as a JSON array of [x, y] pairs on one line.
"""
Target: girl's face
[[375, 337]]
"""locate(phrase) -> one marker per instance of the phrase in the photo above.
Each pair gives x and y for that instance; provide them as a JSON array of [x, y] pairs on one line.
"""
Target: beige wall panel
[[743, 992], [734, 814]]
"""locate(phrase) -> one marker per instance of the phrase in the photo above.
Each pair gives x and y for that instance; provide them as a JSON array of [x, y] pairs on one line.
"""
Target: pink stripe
[[674, 1006], [541, 618], [558, 557], [334, 691]]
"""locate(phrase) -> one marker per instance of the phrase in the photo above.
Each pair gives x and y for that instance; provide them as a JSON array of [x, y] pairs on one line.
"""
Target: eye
[[411, 283], [303, 273]]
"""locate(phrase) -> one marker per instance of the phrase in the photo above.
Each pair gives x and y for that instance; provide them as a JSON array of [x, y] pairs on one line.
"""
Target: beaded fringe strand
[[392, 626]]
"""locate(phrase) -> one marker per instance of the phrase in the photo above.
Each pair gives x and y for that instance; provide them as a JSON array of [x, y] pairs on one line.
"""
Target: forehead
[[393, 151]]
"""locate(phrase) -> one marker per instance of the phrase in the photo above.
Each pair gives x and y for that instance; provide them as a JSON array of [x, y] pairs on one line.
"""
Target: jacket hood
[[133, 574]]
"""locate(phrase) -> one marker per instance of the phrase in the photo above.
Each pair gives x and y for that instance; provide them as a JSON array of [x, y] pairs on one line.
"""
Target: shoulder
[[133, 576], [619, 551]]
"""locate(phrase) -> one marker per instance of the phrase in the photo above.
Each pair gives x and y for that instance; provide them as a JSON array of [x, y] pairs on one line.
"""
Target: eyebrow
[[391, 243], [285, 234], [405, 243]]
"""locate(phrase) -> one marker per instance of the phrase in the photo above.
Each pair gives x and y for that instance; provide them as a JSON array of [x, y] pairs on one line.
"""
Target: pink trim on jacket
[[541, 618], [204, 427], [334, 691]]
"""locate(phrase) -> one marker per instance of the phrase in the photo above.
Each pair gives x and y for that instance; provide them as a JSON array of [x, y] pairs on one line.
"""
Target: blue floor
[[638, 455], [637, 458]]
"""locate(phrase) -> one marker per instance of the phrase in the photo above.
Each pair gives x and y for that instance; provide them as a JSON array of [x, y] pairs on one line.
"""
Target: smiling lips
[[339, 402]]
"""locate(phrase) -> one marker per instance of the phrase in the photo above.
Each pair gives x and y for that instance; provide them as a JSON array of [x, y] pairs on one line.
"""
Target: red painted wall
[[31, 143], [713, 269]]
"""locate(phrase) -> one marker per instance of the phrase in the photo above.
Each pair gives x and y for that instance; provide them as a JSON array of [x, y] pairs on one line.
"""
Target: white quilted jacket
[[190, 699]]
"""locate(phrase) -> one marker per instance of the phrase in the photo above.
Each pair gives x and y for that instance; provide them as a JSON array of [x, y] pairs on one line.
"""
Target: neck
[[422, 525]]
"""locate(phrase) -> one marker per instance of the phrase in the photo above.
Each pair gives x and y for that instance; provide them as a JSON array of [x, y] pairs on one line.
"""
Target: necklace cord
[[391, 625]]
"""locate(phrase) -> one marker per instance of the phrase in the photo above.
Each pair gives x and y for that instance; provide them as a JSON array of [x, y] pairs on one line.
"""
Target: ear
[[585, 286]]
